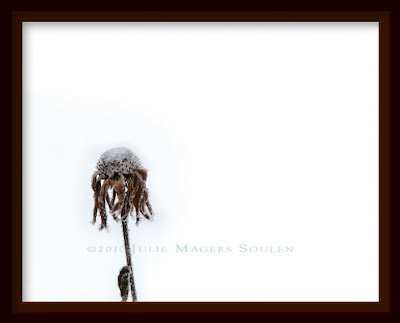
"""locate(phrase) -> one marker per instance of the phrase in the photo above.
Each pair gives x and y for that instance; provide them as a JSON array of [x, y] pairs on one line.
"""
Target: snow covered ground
[[261, 142]]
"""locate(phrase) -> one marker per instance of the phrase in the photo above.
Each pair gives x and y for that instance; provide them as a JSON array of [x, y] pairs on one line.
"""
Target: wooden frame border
[[383, 17]]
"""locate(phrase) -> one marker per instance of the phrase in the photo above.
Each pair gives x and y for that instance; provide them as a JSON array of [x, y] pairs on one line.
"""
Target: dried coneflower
[[120, 183]]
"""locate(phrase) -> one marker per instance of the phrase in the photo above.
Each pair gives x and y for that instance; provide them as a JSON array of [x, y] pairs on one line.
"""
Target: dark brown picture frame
[[384, 304]]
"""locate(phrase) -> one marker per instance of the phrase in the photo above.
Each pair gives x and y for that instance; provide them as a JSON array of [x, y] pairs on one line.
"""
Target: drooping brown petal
[[96, 194], [119, 187], [101, 202]]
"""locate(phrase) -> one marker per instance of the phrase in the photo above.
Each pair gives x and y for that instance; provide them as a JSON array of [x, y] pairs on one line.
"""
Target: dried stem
[[128, 256]]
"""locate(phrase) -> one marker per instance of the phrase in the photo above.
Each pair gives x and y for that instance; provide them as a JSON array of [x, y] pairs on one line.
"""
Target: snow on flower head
[[118, 161]]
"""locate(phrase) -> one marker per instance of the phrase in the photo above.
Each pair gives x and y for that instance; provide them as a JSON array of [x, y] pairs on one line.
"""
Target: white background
[[263, 134]]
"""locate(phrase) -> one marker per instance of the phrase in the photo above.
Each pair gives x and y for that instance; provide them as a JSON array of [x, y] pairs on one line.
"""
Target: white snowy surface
[[252, 133]]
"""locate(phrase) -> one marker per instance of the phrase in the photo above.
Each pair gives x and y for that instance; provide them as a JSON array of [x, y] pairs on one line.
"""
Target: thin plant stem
[[128, 257]]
